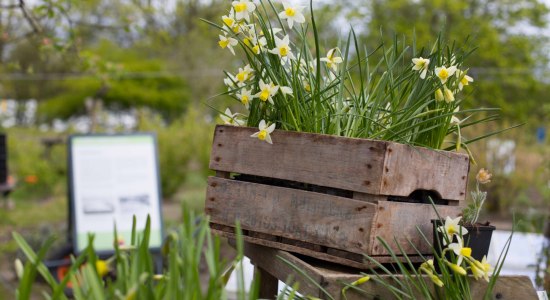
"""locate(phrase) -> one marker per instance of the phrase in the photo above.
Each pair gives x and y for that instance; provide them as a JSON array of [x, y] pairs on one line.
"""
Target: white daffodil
[[307, 67], [421, 64], [461, 251], [245, 96], [282, 48], [231, 118], [451, 228], [273, 31], [482, 268], [243, 8], [444, 73], [332, 60], [227, 42], [245, 74], [230, 81], [292, 14], [464, 79], [286, 90], [229, 20], [258, 45], [267, 91], [264, 133], [454, 119], [448, 95]]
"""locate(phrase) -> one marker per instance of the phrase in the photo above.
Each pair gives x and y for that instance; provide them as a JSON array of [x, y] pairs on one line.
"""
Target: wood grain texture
[[334, 278], [359, 165], [399, 221], [316, 218], [269, 284], [407, 168], [299, 250], [334, 256], [344, 163]]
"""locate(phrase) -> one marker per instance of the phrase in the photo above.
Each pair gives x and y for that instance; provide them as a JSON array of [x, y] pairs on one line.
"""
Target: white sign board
[[112, 179]]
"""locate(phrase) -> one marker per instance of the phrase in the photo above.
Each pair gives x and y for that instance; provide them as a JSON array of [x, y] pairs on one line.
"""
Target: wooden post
[[269, 285]]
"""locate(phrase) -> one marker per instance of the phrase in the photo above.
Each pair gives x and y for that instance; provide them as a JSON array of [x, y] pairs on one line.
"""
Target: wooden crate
[[330, 197]]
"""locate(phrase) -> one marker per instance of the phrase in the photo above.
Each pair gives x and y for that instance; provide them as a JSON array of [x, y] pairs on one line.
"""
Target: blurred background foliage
[[153, 65]]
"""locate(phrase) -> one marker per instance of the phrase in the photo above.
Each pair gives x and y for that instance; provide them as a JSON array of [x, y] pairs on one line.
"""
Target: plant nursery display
[[330, 151], [391, 92], [334, 147]]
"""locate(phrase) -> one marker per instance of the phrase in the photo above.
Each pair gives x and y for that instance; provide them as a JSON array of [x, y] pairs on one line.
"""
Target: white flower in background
[[282, 48], [464, 79], [245, 96], [273, 30], [229, 81], [307, 67], [421, 65], [227, 42], [448, 95], [231, 119], [454, 119], [244, 74], [243, 8], [286, 90], [259, 45], [292, 14], [267, 91], [332, 60], [264, 133], [451, 228], [459, 249], [306, 85], [444, 73]]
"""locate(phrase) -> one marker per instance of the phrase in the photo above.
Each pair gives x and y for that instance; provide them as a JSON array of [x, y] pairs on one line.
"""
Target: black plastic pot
[[478, 238]]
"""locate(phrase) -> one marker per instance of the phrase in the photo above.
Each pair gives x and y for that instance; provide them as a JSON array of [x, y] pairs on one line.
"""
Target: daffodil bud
[[360, 280], [448, 95], [435, 279], [439, 95], [19, 269], [456, 268]]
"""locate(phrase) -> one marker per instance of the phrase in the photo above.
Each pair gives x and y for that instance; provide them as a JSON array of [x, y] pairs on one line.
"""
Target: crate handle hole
[[424, 196]]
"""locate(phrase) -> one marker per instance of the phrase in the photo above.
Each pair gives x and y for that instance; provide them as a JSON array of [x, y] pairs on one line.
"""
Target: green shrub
[[39, 173], [184, 146]]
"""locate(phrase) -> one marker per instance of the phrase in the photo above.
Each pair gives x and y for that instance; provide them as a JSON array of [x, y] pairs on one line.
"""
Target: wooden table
[[316, 278]]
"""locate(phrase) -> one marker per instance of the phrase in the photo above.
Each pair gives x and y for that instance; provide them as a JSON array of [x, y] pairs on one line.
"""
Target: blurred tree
[[511, 60]]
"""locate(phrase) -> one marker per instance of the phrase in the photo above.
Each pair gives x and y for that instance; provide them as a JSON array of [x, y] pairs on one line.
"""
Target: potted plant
[[332, 149], [473, 234]]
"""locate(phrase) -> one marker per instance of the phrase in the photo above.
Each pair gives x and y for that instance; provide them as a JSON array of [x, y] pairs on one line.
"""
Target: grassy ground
[[36, 220]]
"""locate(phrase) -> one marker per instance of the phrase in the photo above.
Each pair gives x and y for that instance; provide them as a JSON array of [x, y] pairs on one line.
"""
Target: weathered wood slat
[[321, 219], [399, 221], [300, 250], [443, 172], [331, 255], [333, 278], [358, 165], [350, 164]]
